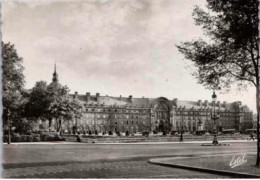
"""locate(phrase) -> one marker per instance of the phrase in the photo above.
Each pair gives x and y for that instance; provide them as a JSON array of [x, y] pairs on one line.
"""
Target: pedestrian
[[78, 138], [181, 137], [252, 136]]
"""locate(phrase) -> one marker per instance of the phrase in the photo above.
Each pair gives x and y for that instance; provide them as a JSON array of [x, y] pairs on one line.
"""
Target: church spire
[[55, 75]]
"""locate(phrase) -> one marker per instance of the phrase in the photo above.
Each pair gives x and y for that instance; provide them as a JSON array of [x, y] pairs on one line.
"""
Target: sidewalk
[[185, 142], [235, 165]]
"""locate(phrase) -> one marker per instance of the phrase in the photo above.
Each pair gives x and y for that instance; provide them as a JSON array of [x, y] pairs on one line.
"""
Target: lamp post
[[9, 127], [214, 117], [181, 137]]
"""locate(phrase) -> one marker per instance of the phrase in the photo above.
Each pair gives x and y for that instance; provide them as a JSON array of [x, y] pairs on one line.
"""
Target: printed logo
[[237, 160]]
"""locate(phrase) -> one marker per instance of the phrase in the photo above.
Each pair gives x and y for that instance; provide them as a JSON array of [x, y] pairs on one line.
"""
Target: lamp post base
[[215, 140]]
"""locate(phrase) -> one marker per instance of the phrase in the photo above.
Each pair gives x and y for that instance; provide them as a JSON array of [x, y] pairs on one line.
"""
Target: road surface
[[106, 160]]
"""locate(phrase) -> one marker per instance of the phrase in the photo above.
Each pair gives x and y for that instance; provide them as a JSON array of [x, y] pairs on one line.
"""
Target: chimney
[[206, 103], [130, 98], [120, 97], [76, 94], [97, 97], [88, 96], [175, 102], [199, 103]]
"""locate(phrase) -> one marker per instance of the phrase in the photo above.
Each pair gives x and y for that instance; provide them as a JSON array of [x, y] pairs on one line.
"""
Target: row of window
[[116, 116], [202, 113], [92, 122], [117, 110], [188, 123], [130, 122]]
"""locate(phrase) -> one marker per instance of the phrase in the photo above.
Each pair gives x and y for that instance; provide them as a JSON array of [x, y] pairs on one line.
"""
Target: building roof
[[148, 102]]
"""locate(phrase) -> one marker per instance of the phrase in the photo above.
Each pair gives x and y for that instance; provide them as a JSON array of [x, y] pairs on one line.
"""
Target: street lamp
[[181, 137], [9, 127], [214, 117]]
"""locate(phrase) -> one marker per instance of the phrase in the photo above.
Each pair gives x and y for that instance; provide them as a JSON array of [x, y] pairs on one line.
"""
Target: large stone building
[[107, 113]]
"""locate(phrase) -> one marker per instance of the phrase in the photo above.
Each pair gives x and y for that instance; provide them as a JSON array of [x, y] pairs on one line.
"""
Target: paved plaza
[[78, 160]]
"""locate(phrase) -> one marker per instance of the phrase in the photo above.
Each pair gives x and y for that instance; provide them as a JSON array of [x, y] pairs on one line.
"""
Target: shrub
[[110, 133], [36, 139], [127, 133], [146, 133], [89, 132], [34, 136], [63, 139], [118, 133], [30, 138], [173, 133], [23, 138], [16, 138], [57, 138], [5, 138], [96, 132], [164, 133], [48, 138], [155, 131]]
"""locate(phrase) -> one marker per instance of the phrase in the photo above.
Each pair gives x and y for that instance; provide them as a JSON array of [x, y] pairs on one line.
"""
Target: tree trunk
[[257, 122], [50, 123]]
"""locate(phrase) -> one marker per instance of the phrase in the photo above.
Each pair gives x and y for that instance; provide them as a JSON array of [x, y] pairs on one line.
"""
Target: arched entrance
[[161, 126], [160, 114]]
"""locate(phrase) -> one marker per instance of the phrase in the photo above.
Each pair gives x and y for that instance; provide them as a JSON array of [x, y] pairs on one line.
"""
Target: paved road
[[105, 161]]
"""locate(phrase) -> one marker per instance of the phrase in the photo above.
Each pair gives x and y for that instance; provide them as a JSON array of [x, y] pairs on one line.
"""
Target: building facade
[[108, 113]]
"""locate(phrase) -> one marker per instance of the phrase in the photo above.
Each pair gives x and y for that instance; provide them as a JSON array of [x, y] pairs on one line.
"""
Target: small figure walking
[[181, 137], [78, 138], [251, 137]]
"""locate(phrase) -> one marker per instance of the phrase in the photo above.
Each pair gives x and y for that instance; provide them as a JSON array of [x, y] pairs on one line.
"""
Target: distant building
[[107, 113]]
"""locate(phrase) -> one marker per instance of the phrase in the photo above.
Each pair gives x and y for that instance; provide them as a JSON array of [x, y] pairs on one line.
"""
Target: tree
[[63, 108], [13, 83], [39, 101], [230, 52]]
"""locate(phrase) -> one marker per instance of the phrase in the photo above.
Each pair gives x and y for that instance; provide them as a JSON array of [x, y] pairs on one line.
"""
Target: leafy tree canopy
[[13, 83], [229, 53]]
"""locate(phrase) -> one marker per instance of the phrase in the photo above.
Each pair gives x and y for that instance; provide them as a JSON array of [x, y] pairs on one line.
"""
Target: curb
[[213, 171], [215, 144], [203, 143]]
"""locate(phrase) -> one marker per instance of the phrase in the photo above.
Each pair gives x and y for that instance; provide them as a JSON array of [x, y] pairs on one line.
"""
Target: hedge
[[33, 138]]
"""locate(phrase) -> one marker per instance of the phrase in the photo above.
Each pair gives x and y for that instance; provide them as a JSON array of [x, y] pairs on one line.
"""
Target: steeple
[[55, 75]]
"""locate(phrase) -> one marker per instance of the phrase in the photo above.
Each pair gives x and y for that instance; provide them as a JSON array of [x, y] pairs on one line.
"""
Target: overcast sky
[[114, 47]]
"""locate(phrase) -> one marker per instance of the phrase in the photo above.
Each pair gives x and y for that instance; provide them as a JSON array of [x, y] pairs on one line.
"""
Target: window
[[115, 122], [93, 109], [132, 122], [126, 122]]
